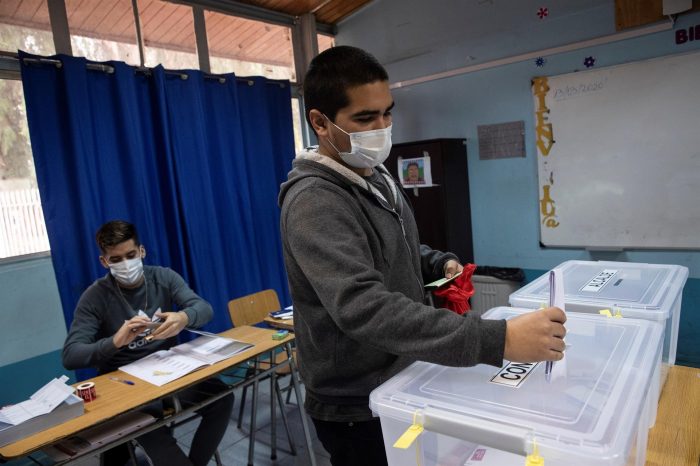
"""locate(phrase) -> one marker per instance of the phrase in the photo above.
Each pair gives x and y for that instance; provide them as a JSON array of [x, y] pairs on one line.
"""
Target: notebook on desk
[[165, 366]]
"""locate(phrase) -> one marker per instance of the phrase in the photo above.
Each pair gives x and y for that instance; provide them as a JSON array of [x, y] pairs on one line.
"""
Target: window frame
[[58, 22]]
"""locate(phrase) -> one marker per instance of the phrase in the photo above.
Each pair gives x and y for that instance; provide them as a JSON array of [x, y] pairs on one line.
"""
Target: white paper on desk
[[162, 367], [209, 345], [43, 401], [202, 332], [211, 350]]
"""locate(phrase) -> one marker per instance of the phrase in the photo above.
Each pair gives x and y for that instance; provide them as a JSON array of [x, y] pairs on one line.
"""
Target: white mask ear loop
[[341, 129]]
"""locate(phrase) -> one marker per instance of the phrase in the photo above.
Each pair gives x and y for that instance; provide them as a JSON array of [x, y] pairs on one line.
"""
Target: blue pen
[[117, 379]]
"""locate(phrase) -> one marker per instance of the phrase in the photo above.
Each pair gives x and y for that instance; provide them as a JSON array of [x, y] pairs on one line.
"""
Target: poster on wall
[[415, 172]]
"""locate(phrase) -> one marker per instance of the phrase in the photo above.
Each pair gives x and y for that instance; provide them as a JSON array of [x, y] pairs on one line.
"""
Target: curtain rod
[[142, 69]]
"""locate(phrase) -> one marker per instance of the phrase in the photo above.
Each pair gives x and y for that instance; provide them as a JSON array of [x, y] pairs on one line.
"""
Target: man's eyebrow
[[125, 254], [363, 113]]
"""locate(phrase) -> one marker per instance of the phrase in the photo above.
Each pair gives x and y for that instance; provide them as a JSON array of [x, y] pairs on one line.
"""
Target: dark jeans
[[160, 445], [352, 443]]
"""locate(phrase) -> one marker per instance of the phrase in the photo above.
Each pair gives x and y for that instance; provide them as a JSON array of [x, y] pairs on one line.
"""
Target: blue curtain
[[193, 162]]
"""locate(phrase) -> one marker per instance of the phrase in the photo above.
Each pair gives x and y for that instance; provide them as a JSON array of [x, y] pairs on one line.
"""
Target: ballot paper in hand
[[556, 298], [42, 402], [556, 289]]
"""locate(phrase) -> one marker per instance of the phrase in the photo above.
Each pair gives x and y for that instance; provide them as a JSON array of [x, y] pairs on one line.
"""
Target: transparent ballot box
[[640, 291], [594, 410]]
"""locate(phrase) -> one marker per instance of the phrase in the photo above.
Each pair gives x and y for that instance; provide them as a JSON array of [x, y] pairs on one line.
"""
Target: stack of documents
[[163, 367], [286, 313], [281, 319], [52, 404]]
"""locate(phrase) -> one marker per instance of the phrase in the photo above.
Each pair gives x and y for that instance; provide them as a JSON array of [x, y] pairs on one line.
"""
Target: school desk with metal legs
[[115, 398], [275, 392]]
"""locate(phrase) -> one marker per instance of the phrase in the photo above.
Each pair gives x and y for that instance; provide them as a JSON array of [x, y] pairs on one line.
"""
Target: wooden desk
[[285, 324], [675, 438], [115, 398]]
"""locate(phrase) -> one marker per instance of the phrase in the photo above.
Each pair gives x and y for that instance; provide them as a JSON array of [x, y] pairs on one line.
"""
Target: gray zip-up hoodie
[[356, 271]]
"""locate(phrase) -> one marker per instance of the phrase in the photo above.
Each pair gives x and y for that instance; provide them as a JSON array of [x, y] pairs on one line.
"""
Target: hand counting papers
[[163, 367]]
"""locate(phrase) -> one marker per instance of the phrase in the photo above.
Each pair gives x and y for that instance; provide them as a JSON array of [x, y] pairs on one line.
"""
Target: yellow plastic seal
[[410, 436], [534, 459]]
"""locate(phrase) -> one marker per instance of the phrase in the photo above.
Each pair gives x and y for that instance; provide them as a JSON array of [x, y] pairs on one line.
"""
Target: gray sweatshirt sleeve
[[433, 262], [329, 244], [82, 347], [198, 311]]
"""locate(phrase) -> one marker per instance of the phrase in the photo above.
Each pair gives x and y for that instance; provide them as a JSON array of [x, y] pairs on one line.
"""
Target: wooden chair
[[249, 310]]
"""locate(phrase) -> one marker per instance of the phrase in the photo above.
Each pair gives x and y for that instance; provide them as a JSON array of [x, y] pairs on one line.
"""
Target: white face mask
[[367, 148], [127, 272]]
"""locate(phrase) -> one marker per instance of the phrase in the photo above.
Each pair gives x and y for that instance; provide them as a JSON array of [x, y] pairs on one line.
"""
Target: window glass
[[167, 30], [24, 25], [298, 120], [249, 48], [103, 30], [325, 42], [22, 229]]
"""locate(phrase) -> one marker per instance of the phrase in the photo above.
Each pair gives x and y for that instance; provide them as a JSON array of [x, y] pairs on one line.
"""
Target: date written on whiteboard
[[568, 92]]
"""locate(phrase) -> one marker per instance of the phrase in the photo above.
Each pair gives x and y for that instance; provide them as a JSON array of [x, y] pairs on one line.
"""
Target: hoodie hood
[[309, 163]]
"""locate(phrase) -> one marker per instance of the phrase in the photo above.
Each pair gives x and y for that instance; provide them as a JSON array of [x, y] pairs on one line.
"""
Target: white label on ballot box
[[514, 373], [599, 281]]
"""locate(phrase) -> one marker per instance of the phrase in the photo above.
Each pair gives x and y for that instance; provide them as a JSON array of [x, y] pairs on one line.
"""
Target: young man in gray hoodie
[[356, 267], [112, 327]]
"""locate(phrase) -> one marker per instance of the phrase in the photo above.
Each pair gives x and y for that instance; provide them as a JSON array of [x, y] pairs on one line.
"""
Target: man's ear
[[143, 251], [319, 122], [104, 263]]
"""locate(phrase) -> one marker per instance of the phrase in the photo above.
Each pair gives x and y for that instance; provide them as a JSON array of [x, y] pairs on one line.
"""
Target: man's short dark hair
[[115, 232], [332, 72], [412, 164]]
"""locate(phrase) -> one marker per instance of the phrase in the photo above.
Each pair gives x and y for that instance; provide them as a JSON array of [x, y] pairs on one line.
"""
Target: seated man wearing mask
[[110, 330]]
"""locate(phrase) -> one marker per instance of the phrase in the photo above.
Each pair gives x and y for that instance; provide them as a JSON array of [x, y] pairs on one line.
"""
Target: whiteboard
[[618, 153]]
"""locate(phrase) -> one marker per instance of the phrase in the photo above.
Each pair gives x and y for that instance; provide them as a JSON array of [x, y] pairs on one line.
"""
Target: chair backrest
[[253, 308]]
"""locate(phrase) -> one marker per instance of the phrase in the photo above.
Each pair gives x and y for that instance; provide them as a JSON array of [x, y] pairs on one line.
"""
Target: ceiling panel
[[327, 11]]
